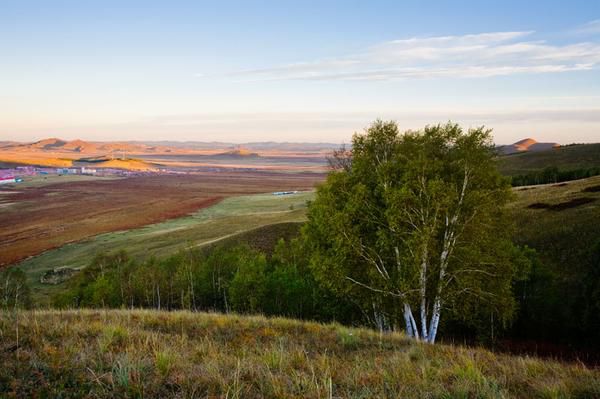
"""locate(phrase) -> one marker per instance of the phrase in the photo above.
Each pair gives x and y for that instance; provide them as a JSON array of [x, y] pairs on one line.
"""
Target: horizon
[[284, 72], [324, 143]]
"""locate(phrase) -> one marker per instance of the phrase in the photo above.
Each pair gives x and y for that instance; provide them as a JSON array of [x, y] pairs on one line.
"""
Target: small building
[[67, 171], [8, 180], [88, 171], [285, 192]]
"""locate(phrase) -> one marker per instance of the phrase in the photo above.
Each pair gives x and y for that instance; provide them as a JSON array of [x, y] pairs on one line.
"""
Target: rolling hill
[[55, 145], [570, 157], [526, 145], [239, 153], [141, 353], [117, 163]]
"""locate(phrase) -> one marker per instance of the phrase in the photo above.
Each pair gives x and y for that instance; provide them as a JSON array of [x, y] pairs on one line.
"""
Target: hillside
[[127, 164], [569, 157], [561, 222], [134, 353], [256, 219]]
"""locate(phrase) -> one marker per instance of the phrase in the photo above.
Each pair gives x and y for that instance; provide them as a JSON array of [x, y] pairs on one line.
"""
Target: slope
[[134, 353]]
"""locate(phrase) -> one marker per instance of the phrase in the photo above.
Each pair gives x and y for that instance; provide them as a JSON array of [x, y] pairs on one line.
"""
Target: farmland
[[39, 216]]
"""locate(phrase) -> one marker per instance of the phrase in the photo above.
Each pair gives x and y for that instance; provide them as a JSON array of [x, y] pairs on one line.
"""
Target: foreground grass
[[120, 353]]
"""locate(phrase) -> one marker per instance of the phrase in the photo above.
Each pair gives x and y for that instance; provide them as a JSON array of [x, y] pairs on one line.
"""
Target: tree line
[[553, 174], [225, 279]]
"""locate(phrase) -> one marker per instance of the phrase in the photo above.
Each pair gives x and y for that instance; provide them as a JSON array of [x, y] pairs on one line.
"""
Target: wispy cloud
[[466, 56], [590, 28]]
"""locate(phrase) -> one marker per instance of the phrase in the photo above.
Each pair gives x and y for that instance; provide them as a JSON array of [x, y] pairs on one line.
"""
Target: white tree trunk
[[423, 292], [411, 326], [407, 322], [435, 320]]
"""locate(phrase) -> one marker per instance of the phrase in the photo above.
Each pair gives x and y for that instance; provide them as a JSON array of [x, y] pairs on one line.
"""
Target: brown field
[[38, 218]]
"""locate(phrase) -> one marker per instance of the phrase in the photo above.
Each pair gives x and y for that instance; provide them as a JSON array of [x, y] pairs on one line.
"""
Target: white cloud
[[466, 56]]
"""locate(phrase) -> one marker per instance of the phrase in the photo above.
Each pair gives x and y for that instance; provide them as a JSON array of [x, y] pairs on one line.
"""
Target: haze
[[311, 72]]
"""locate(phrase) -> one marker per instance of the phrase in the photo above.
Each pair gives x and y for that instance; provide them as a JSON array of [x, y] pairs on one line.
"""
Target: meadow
[[43, 216], [142, 353], [230, 217]]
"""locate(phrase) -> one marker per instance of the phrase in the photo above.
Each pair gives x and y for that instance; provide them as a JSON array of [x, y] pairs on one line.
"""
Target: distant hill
[[164, 147], [251, 146], [236, 154], [526, 145], [81, 146], [128, 164]]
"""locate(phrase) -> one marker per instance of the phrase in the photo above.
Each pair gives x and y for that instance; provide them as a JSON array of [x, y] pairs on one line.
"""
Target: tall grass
[[142, 353]]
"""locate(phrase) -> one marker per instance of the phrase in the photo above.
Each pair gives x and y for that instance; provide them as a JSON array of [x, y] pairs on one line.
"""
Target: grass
[[142, 353], [558, 220], [581, 156], [37, 219], [228, 218]]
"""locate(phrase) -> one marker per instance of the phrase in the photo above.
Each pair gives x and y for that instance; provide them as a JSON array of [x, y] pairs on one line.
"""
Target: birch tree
[[415, 225], [14, 290]]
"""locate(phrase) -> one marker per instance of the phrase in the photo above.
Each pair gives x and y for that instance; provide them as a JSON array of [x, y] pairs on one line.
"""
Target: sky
[[303, 71]]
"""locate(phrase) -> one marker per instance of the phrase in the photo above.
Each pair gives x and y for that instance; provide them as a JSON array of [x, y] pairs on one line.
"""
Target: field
[[580, 156], [559, 220], [229, 218], [135, 353], [37, 217]]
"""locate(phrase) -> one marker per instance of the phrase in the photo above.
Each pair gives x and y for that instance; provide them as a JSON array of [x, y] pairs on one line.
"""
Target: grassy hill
[[116, 163], [559, 218], [561, 222], [579, 156], [134, 353]]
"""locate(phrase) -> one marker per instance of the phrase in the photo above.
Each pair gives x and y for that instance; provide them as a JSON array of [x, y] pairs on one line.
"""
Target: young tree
[[14, 290], [415, 223]]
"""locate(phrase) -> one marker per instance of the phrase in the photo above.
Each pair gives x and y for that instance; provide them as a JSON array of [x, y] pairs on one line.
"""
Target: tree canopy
[[414, 223]]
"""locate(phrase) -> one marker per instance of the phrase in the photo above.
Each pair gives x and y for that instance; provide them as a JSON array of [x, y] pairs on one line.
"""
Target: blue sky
[[296, 71]]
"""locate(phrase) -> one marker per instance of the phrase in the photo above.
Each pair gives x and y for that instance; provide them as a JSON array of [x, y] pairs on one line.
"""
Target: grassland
[[553, 219], [42, 217], [225, 220], [580, 156], [134, 353]]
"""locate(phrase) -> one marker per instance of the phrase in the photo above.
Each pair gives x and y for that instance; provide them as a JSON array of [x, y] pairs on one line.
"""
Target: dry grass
[[46, 217], [181, 354]]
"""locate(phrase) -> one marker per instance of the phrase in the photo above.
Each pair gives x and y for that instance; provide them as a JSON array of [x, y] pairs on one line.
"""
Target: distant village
[[19, 173]]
